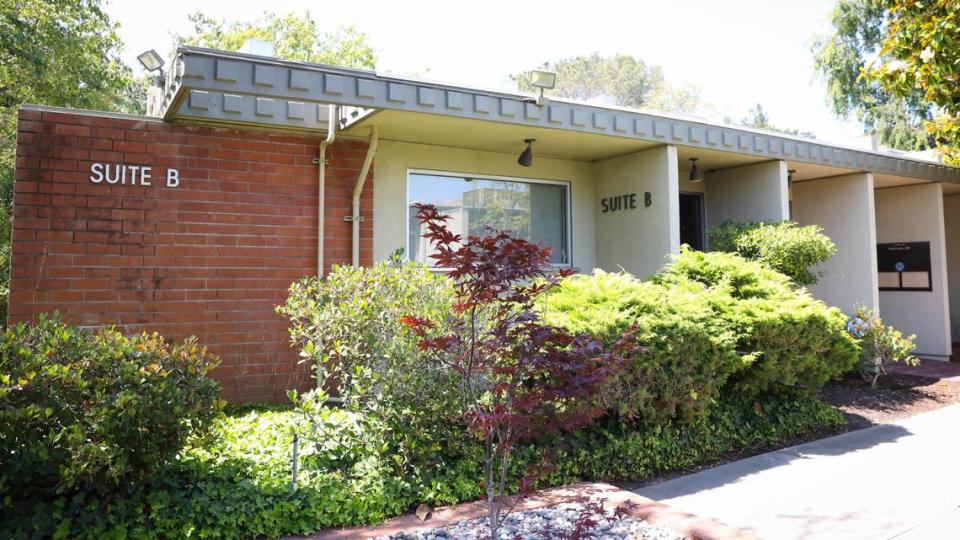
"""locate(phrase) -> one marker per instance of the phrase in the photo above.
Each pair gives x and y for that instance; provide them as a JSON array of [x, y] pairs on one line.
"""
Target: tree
[[630, 81], [842, 56], [758, 119], [295, 37], [919, 59], [522, 379], [52, 52]]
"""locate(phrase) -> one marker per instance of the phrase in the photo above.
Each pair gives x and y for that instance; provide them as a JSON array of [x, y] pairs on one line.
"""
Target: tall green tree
[[919, 58], [841, 56], [294, 36], [52, 52], [630, 81]]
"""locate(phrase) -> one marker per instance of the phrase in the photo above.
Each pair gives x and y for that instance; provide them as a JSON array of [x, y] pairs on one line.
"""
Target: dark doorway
[[691, 220]]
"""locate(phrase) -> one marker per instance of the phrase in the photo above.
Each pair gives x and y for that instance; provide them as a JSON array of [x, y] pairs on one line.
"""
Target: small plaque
[[904, 266]]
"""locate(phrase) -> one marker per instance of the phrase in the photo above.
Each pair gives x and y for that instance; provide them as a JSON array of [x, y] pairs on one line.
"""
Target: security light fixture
[[150, 60], [526, 157], [695, 174], [790, 176], [544, 80]]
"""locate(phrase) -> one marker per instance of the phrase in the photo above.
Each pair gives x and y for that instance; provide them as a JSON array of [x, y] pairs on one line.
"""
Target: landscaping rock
[[551, 522]]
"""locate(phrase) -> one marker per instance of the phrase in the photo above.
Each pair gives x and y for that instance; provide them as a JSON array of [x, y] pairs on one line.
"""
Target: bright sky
[[738, 52]]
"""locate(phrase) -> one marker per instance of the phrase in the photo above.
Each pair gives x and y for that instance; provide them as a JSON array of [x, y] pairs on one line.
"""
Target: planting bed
[[550, 522]]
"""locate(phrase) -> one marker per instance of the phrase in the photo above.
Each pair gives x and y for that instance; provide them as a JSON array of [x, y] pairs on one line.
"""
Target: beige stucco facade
[[915, 214], [844, 207], [756, 192]]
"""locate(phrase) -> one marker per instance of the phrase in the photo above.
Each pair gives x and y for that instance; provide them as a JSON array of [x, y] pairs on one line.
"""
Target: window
[[535, 210]]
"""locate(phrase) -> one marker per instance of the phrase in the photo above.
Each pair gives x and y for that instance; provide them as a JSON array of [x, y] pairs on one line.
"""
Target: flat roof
[[220, 87]]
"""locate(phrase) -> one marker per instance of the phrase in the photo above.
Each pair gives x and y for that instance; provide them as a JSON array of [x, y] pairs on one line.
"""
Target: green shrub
[[788, 338], [785, 246], [95, 411], [348, 326], [237, 484], [686, 357]]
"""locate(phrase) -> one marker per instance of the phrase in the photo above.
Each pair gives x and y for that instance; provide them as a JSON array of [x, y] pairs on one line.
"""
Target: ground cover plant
[[237, 483]]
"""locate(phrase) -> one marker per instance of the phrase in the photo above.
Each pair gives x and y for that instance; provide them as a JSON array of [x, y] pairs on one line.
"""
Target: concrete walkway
[[898, 480]]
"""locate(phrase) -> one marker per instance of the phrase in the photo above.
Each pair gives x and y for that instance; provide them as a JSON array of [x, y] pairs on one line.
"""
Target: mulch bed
[[898, 396]]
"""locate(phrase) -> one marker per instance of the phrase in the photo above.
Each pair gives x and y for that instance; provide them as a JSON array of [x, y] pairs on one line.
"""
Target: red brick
[[212, 257]]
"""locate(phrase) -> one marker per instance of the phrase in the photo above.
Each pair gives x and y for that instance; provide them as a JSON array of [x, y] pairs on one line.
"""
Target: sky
[[737, 52]]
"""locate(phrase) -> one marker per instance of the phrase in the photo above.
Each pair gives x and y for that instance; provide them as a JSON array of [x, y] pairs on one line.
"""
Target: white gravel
[[532, 525]]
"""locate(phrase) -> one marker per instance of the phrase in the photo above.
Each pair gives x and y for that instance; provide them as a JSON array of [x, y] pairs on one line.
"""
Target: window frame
[[518, 179]]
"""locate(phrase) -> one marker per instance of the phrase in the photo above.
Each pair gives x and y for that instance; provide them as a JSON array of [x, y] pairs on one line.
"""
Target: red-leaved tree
[[522, 379]]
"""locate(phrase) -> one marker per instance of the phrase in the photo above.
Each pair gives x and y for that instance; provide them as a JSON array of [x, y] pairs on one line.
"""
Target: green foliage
[[295, 37], [237, 484], [348, 327], [879, 344], [63, 53], [787, 247], [919, 59], [686, 355], [630, 81], [96, 411], [842, 55], [788, 339]]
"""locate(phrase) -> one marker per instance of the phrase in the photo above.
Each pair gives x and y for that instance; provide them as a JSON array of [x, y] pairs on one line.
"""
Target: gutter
[[355, 218], [322, 183]]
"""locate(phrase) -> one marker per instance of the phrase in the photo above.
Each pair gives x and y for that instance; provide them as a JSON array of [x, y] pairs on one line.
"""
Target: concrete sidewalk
[[898, 480]]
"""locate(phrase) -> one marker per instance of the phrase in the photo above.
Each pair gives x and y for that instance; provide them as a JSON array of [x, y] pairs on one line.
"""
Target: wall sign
[[133, 175], [904, 266], [627, 201]]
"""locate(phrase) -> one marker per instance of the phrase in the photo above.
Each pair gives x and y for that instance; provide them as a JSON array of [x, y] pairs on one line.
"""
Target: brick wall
[[209, 258]]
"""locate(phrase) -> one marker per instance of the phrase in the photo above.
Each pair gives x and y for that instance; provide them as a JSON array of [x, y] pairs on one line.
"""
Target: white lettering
[[133, 174], [145, 176], [173, 178], [115, 177], [96, 173]]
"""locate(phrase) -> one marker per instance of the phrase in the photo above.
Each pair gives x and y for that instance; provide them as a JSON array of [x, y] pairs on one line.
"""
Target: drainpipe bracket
[[316, 161]]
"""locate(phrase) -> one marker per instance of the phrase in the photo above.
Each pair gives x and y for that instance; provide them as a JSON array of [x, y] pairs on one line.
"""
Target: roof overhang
[[240, 89]]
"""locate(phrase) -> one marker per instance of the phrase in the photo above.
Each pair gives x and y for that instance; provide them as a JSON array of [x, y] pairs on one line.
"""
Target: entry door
[[691, 220]]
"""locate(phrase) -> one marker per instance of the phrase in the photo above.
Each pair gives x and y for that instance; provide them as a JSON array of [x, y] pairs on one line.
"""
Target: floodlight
[[150, 60]]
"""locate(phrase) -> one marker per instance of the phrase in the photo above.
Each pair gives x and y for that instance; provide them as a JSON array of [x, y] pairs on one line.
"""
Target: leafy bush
[[686, 356], [787, 247], [348, 326], [879, 344], [237, 484], [82, 410], [788, 339]]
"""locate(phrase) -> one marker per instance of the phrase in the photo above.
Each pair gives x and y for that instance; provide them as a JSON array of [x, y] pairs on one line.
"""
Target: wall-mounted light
[[544, 80], [790, 176], [150, 60], [695, 174], [526, 157]]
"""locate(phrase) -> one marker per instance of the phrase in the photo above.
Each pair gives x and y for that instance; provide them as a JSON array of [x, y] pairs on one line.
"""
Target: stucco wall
[[951, 219], [395, 158], [844, 207], [639, 240], [915, 214], [749, 193]]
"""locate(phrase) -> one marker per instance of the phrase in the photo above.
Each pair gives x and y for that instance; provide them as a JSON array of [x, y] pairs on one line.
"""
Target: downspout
[[355, 218], [322, 181]]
